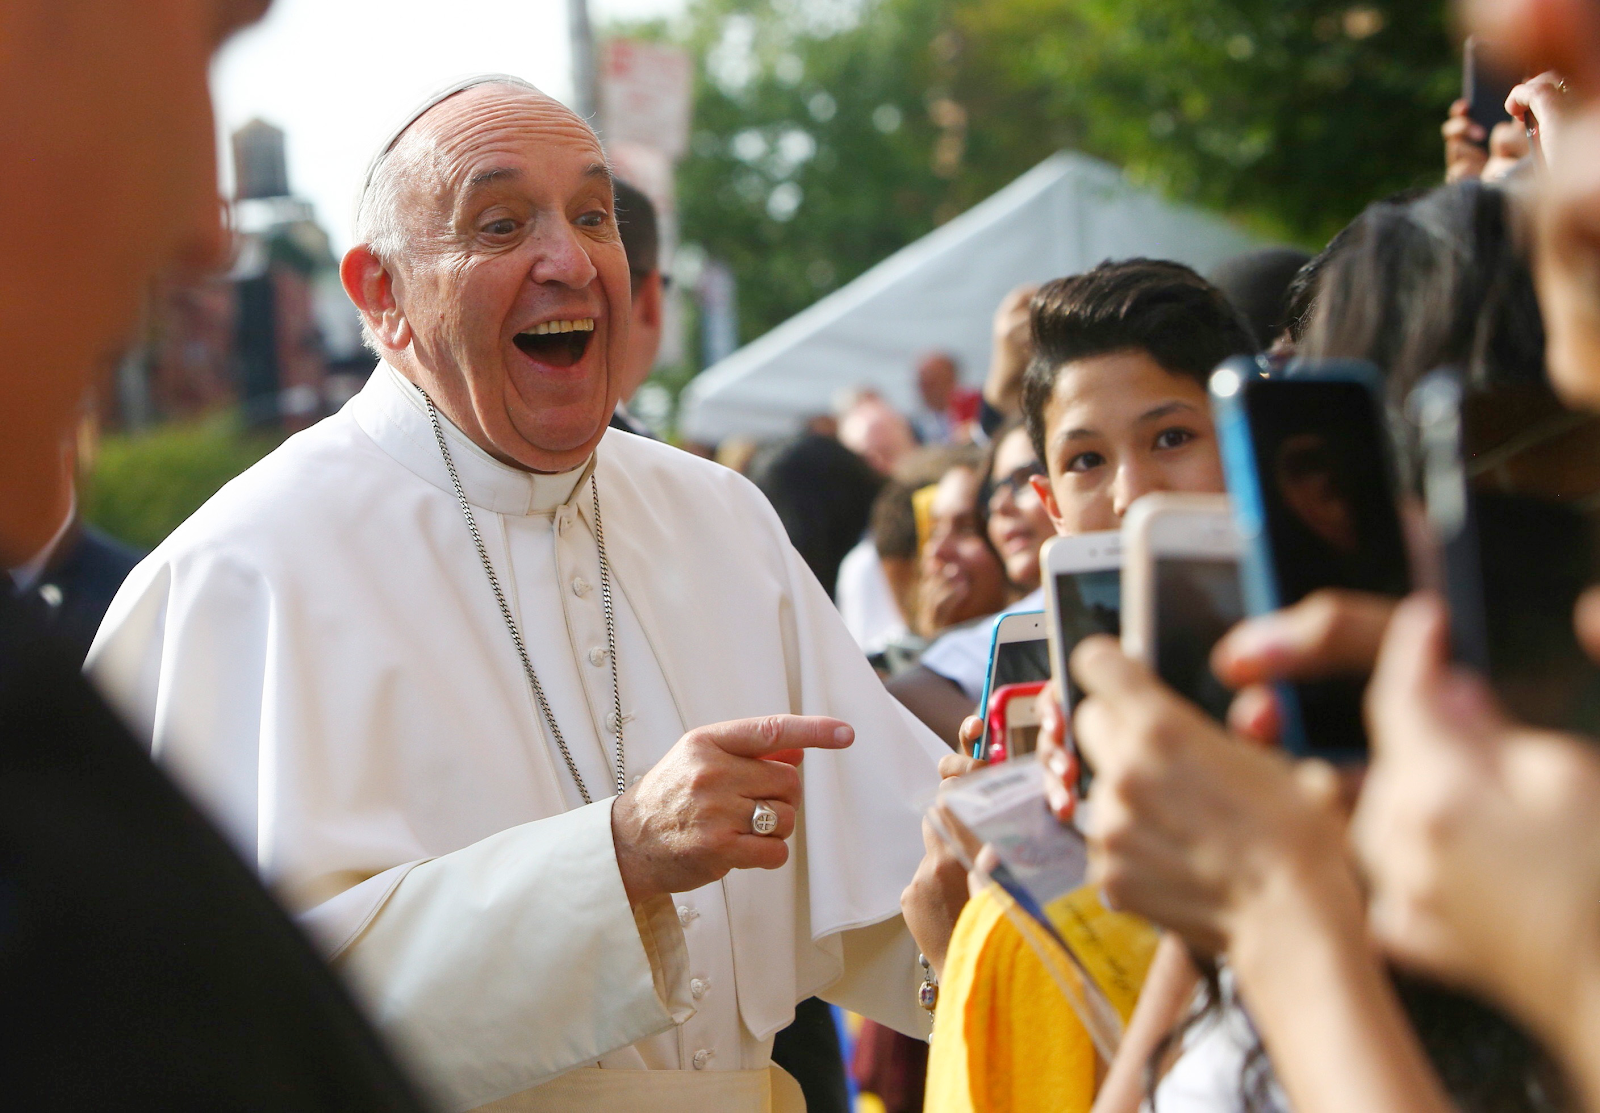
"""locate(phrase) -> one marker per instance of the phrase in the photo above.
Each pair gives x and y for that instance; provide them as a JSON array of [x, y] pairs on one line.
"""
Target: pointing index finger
[[771, 735]]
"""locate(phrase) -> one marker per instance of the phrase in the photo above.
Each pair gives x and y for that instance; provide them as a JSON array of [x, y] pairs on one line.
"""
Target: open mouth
[[557, 343]]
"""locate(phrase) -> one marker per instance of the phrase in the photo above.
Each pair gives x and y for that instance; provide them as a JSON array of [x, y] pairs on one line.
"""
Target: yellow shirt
[[1005, 1038]]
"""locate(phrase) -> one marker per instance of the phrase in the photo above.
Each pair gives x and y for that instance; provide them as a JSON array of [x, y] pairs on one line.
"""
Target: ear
[[371, 287], [1047, 495], [647, 302]]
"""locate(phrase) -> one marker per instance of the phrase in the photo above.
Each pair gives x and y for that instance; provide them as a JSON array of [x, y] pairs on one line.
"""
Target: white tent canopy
[[1062, 217]]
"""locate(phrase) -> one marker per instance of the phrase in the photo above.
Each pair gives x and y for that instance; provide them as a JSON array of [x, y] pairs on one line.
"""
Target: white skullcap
[[426, 106]]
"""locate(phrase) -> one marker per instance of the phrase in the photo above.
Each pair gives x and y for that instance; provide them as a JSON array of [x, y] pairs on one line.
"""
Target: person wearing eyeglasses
[[944, 687]]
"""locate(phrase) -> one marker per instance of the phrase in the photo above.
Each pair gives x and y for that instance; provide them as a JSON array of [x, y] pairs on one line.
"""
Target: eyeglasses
[[1015, 483]]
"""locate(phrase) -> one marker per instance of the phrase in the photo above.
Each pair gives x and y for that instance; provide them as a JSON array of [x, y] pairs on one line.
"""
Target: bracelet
[[928, 992]]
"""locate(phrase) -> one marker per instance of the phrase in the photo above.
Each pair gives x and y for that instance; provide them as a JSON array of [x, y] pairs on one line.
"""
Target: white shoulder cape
[[305, 650]]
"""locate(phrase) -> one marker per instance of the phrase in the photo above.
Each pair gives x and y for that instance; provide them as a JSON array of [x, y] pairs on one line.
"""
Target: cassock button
[[701, 1058], [698, 987], [597, 656], [580, 587]]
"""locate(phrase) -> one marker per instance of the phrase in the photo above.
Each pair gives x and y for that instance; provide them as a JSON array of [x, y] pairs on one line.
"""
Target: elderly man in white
[[512, 710]]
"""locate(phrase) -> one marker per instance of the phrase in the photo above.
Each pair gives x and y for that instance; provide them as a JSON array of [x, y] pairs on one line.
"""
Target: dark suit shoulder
[[142, 964]]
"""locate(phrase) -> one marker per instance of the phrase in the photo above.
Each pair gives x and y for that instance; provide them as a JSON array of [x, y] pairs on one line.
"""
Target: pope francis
[[510, 709]]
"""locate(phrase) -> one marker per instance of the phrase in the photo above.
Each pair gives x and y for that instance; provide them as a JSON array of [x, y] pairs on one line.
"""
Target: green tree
[[1291, 114], [810, 153], [829, 133]]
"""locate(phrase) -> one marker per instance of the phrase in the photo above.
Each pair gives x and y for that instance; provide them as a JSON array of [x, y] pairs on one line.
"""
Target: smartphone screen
[[1196, 602], [1329, 517], [1020, 663], [1089, 603]]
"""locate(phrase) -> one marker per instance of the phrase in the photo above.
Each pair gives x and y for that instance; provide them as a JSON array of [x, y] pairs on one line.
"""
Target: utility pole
[[585, 88]]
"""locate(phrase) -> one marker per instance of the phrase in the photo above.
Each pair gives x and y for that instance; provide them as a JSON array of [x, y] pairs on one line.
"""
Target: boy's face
[[1119, 426]]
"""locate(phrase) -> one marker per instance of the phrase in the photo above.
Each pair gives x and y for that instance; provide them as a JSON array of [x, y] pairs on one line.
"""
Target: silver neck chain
[[516, 635]]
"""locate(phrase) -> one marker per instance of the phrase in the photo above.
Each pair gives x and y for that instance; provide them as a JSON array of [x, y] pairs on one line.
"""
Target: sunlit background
[[835, 149]]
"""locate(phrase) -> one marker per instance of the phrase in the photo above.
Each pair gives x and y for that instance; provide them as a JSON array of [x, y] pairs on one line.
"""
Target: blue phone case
[[980, 748], [1258, 579]]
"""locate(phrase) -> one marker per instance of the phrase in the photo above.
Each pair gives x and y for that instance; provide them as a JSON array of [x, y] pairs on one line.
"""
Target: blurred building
[[275, 336]]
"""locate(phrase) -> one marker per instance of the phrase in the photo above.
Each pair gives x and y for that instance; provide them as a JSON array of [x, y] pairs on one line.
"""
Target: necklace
[[516, 635]]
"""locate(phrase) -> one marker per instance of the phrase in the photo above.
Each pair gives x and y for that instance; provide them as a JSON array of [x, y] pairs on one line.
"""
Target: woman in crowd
[[948, 682], [1007, 526]]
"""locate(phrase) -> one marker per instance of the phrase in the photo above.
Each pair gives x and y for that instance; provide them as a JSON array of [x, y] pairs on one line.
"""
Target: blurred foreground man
[[141, 964], [473, 679]]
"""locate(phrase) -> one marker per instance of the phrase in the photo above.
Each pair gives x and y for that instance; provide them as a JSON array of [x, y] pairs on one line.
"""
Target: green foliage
[[145, 484], [1291, 113], [829, 133]]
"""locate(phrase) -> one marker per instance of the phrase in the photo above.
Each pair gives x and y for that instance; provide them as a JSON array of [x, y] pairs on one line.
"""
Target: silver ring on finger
[[764, 820]]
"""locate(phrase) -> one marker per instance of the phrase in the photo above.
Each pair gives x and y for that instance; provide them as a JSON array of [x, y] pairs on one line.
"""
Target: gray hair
[[378, 223]]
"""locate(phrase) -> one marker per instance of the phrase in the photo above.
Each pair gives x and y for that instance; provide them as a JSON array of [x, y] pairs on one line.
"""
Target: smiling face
[[509, 303], [1118, 426], [1018, 524], [960, 576]]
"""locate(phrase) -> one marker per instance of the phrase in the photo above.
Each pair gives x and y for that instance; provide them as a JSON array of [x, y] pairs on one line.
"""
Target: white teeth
[[545, 328]]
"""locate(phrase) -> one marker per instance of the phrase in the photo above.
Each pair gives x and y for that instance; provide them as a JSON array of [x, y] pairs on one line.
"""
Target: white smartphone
[[1083, 596], [1019, 652], [1180, 590]]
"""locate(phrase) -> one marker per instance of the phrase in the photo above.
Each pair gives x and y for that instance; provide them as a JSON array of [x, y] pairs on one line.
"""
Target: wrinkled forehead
[[493, 128]]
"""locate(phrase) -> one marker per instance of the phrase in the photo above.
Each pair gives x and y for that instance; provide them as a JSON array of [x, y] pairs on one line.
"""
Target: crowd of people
[[584, 773]]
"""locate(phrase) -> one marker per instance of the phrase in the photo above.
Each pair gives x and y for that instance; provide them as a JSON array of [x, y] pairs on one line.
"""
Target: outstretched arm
[[1243, 854]]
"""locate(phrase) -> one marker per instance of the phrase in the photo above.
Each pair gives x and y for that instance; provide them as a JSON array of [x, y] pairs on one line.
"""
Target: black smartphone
[[1513, 557], [1310, 471], [1485, 85]]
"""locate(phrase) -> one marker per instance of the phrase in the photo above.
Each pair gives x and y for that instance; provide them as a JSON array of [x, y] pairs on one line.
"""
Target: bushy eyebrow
[[489, 177]]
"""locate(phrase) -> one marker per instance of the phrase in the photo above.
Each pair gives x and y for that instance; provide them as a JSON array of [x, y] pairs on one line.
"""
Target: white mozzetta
[[317, 656]]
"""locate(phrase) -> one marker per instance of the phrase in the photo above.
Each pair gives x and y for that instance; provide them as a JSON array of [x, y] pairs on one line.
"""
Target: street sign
[[645, 95]]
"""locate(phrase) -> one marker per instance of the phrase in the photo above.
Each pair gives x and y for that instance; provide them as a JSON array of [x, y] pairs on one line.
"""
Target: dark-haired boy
[[1115, 397], [1115, 402]]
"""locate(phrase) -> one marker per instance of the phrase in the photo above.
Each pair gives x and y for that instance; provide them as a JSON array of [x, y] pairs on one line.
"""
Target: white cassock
[[318, 657]]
